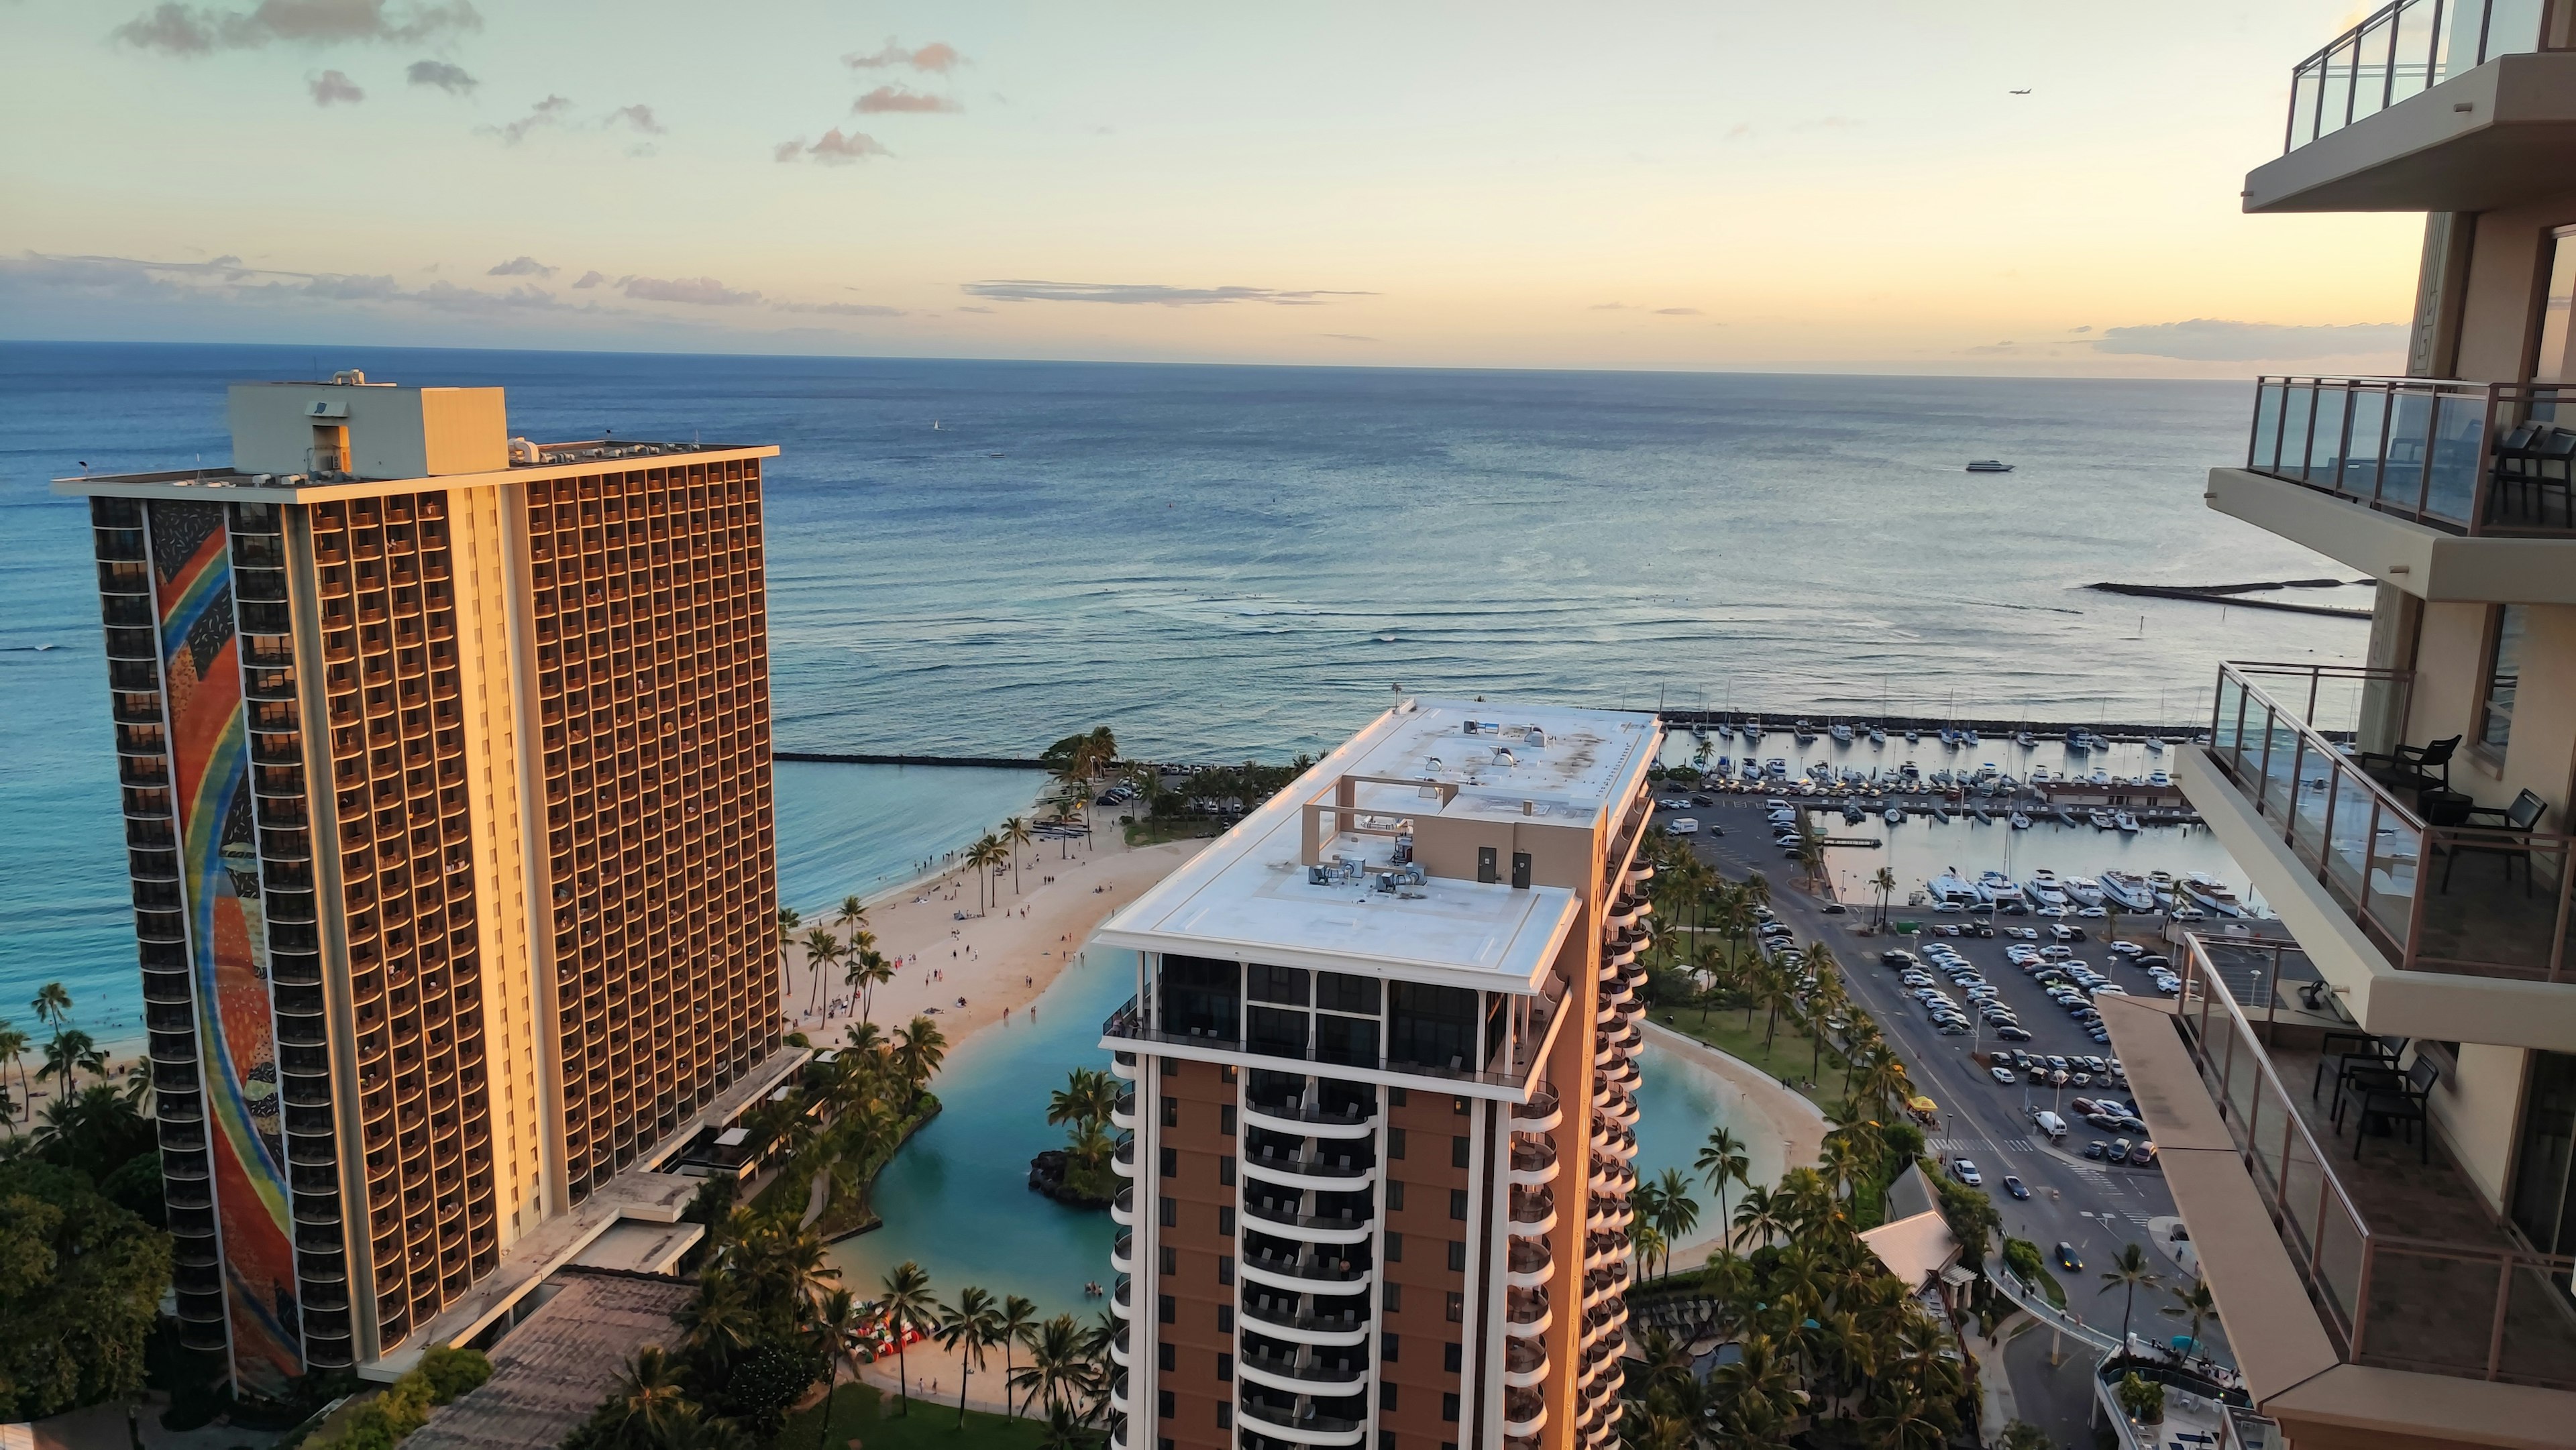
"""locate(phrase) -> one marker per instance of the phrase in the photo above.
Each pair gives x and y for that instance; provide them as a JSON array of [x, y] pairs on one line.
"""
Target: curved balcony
[[1297, 1275], [1308, 1428], [1123, 1115], [1620, 1072], [1122, 1065], [1533, 1164], [1532, 1212], [1526, 1313], [1639, 873], [1528, 1263], [1118, 1347], [1122, 1209], [1348, 1327], [1616, 955], [1524, 1411], [1345, 1170], [1609, 1215], [1118, 1394], [1306, 1122], [1540, 1114], [1612, 1178], [1347, 1228], [1600, 1250], [1121, 1259], [1524, 1362], [1119, 1296], [1289, 1375], [1123, 1162]]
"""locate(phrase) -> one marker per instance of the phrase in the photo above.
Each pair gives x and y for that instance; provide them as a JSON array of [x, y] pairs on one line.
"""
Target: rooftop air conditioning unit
[[523, 451]]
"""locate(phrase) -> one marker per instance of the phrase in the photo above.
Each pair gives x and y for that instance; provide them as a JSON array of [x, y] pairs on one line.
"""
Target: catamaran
[[2000, 889], [1951, 886]]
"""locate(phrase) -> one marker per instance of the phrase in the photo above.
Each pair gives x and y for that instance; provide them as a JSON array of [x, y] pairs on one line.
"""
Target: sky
[[1831, 185]]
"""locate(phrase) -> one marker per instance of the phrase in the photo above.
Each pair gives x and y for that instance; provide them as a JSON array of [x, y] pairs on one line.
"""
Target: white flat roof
[[1247, 896]]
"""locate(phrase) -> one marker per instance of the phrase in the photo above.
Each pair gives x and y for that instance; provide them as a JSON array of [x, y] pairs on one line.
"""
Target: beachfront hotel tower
[[446, 781], [1381, 1070], [2372, 1141]]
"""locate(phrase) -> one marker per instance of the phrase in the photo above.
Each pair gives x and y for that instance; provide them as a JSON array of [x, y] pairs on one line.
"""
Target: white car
[[1966, 1172], [2127, 949]]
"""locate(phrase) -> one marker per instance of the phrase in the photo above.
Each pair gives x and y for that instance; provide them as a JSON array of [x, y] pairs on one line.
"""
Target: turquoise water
[[956, 1200], [863, 828]]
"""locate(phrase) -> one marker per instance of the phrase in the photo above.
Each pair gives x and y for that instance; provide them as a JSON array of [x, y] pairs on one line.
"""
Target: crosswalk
[[1949, 1147]]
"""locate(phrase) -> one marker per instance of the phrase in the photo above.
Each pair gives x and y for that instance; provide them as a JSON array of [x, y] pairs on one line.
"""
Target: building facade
[[1381, 1068], [446, 783], [2376, 1172]]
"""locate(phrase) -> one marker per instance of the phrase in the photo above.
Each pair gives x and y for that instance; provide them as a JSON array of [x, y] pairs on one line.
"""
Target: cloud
[[173, 29], [885, 99], [834, 149], [1346, 337], [1677, 312], [1147, 293], [588, 279], [449, 78], [333, 87], [2206, 339], [226, 280], [938, 57], [1992, 348], [1609, 307], [523, 266], [548, 112], [2087, 328], [695, 291], [840, 309], [640, 117]]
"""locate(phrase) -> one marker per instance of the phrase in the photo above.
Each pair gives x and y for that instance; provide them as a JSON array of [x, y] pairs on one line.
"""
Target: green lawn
[[1790, 1057], [1154, 831], [864, 1419]]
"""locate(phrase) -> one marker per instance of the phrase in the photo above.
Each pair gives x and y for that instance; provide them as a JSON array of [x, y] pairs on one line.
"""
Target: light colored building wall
[[2499, 322], [393, 432], [479, 546], [1560, 855], [2478, 1110], [2543, 749]]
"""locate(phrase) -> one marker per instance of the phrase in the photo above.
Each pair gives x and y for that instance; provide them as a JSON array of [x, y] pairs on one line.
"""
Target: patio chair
[[2363, 1073], [2522, 815], [2358, 1046], [2417, 767], [2405, 1103]]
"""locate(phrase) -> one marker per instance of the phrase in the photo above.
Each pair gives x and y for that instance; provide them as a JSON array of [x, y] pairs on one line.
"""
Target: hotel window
[[2552, 363], [2504, 673]]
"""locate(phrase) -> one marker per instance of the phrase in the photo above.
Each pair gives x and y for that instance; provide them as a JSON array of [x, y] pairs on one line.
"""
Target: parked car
[[2143, 1155], [2002, 1075], [2096, 1149], [2049, 1123]]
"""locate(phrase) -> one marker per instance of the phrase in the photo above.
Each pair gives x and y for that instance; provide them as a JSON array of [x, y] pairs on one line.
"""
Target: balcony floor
[[2429, 1313]]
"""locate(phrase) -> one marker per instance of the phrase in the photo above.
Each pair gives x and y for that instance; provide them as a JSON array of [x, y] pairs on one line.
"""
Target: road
[[2096, 1209]]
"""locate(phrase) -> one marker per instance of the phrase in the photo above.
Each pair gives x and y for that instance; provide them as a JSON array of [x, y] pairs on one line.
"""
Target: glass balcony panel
[[2280, 764], [2338, 1256], [2395, 853], [2415, 52], [2227, 733], [2312, 786], [2307, 95], [2536, 1327], [2265, 450], [2298, 404], [2410, 431], [2326, 437], [2364, 438], [2493, 905], [2458, 450], [2348, 849], [2429, 1312]]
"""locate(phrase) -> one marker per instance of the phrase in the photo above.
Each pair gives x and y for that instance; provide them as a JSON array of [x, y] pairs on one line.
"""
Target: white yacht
[[2212, 895], [2102, 820], [1841, 732], [2084, 890], [2129, 890], [2000, 889], [1878, 735], [2128, 820], [2044, 888], [2020, 822]]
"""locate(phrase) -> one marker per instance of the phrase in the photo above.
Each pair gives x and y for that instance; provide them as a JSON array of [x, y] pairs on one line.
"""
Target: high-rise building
[[2371, 1139], [446, 775], [1381, 1058]]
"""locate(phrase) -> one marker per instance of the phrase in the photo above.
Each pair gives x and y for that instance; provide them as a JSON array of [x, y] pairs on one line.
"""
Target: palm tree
[[2195, 1303], [968, 1327], [646, 1404], [53, 1005], [2128, 1273], [1018, 1318], [1057, 1364], [1676, 1212], [836, 1316], [1884, 879], [1722, 1161], [718, 1319], [1811, 853], [904, 1299], [1088, 1096], [1908, 1423], [788, 920], [852, 917], [822, 952], [869, 970], [1758, 1217], [13, 1052], [919, 1048], [1062, 1432], [69, 1052], [1645, 1240], [1015, 834]]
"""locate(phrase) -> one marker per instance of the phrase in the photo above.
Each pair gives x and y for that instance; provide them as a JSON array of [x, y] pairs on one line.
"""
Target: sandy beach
[[1774, 1115], [997, 954]]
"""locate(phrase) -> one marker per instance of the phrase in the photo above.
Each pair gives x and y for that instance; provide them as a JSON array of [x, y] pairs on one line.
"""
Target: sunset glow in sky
[[1846, 185]]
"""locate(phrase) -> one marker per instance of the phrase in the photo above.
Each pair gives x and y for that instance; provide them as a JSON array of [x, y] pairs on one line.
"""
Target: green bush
[[451, 1372], [381, 1423]]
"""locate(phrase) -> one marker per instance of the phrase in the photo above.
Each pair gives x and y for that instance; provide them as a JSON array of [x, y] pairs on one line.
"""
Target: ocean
[[1231, 562]]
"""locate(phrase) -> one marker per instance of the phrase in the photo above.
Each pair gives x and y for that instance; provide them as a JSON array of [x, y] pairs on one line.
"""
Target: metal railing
[[2406, 48], [2392, 872], [2399, 1303], [1129, 1023], [2466, 458]]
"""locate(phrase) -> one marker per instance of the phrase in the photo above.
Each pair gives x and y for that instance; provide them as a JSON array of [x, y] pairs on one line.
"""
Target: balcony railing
[[2465, 458], [1129, 1023], [2409, 47], [2432, 898], [2481, 1308]]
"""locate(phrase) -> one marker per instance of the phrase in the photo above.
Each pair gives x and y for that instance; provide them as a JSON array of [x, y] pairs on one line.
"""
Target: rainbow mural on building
[[227, 938]]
